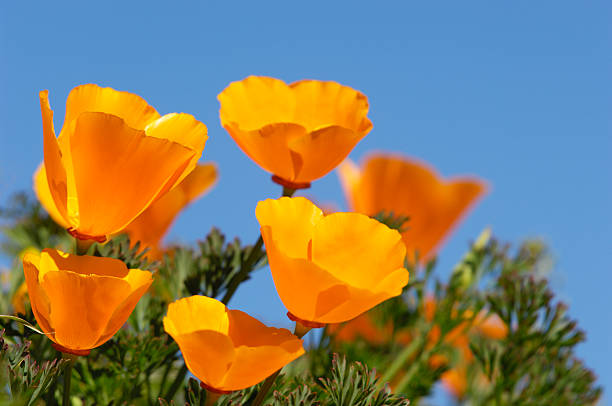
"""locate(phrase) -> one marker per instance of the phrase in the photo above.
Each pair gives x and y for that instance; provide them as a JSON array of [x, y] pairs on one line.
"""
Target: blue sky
[[518, 93]]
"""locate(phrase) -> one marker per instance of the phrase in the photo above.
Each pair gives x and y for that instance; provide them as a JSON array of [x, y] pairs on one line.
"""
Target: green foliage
[[120, 247], [23, 380], [355, 385], [29, 226], [398, 223], [534, 364]]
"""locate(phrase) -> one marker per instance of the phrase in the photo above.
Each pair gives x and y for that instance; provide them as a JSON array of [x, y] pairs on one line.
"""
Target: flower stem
[[288, 192], [400, 360], [245, 269], [211, 398], [263, 391], [68, 378], [82, 246]]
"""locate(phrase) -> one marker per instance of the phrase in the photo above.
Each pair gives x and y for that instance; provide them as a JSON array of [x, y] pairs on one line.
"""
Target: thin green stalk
[[82, 246], [288, 192], [176, 384], [68, 378], [400, 360], [245, 269], [263, 391]]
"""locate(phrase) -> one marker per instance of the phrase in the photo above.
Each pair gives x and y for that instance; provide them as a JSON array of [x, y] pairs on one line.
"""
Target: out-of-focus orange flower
[[227, 349], [298, 132], [113, 158], [455, 379], [329, 269], [80, 302], [150, 227], [19, 298], [406, 187], [363, 327]]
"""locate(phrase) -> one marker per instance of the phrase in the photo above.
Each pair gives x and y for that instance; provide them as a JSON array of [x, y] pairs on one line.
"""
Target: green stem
[[245, 269], [400, 360], [82, 246], [288, 192], [68, 379], [176, 384], [263, 391]]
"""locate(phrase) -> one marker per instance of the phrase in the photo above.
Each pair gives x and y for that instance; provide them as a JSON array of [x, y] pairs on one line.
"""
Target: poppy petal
[[256, 102], [133, 109], [292, 221], [321, 151], [141, 166], [350, 246], [41, 188], [55, 171], [38, 297], [326, 103]]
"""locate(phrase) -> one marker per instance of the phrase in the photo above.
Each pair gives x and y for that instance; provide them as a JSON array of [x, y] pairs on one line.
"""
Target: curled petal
[[133, 109]]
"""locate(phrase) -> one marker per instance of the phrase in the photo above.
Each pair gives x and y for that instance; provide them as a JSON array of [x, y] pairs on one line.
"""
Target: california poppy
[[329, 269], [113, 144], [392, 184], [226, 349], [298, 132], [80, 302]]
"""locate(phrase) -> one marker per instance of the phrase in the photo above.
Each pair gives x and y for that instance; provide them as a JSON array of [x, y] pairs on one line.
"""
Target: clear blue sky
[[516, 92]]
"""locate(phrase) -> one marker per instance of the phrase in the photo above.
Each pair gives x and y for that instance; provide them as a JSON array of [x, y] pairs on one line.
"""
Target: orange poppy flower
[[226, 349], [363, 327], [298, 132], [150, 227], [405, 187], [113, 144], [80, 302], [329, 269]]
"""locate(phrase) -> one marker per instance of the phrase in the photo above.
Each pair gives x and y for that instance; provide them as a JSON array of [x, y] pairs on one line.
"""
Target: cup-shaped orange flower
[[298, 132], [226, 349], [80, 302], [329, 269], [114, 156], [409, 188]]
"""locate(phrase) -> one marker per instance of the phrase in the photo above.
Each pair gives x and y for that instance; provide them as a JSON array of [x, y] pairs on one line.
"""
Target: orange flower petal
[[150, 227], [293, 222], [409, 188], [299, 132], [133, 109], [41, 188], [140, 168], [55, 172], [343, 244], [38, 297], [182, 129], [227, 349], [322, 104]]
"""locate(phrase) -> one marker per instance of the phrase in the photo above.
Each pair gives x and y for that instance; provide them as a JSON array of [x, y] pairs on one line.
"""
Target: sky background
[[518, 93]]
